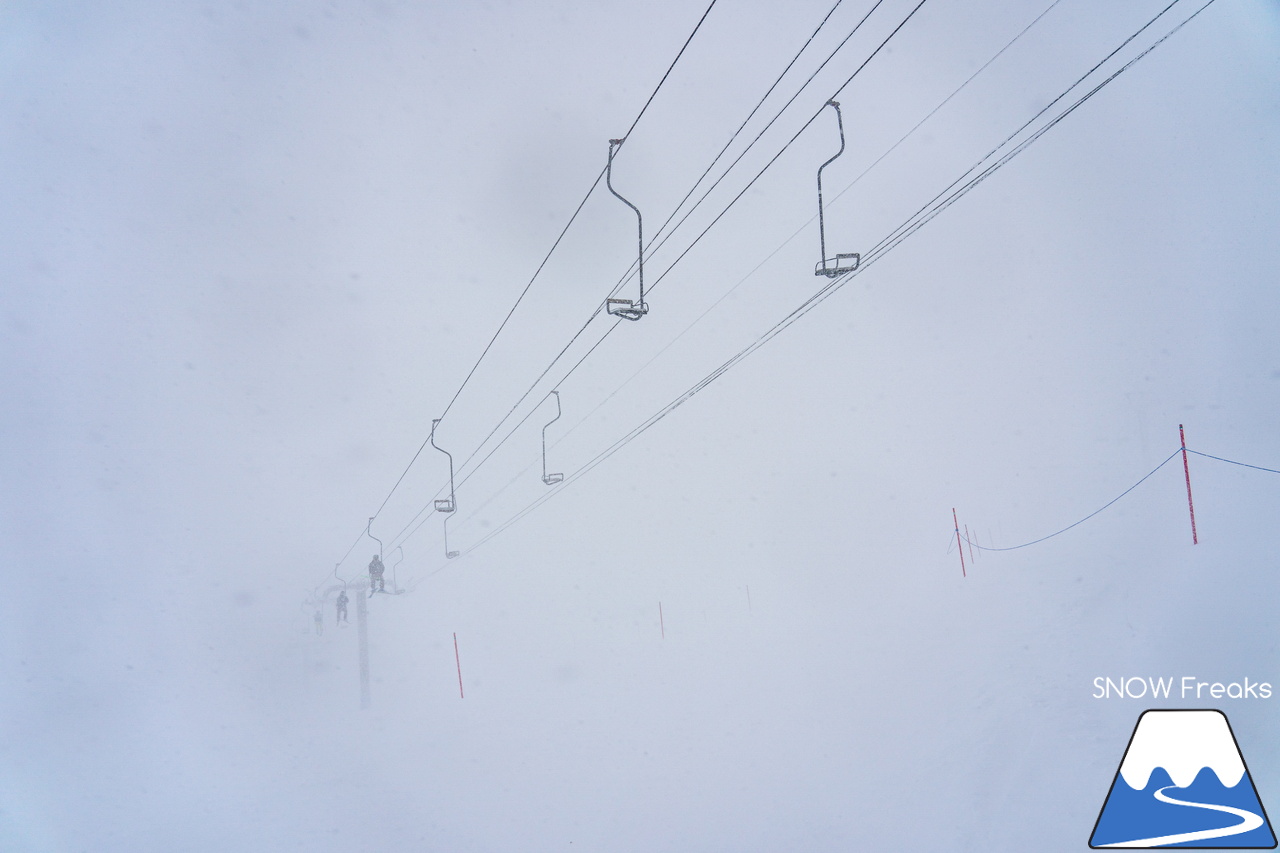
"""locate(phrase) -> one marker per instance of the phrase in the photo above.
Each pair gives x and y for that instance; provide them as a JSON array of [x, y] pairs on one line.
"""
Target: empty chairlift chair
[[444, 504], [395, 581], [626, 308], [844, 263], [550, 479]]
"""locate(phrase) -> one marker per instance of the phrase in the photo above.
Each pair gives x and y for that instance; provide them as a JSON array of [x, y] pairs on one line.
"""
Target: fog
[[251, 251]]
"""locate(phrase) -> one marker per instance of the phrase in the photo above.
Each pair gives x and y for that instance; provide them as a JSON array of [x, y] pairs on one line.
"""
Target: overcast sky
[[250, 251]]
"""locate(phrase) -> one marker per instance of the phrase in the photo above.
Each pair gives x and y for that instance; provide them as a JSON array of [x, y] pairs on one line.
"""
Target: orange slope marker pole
[[959, 544], [1186, 469]]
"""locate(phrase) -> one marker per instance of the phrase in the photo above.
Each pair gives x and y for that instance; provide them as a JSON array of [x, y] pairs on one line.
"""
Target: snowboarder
[[319, 622], [342, 606], [376, 583]]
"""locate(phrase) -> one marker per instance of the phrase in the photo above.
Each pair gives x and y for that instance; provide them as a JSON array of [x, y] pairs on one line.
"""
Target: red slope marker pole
[[1186, 469], [458, 661], [959, 544]]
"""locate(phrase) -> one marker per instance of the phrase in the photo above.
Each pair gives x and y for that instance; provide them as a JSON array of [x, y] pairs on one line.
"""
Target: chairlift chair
[[550, 479], [845, 262], [395, 582], [626, 308], [839, 265], [369, 532], [444, 504]]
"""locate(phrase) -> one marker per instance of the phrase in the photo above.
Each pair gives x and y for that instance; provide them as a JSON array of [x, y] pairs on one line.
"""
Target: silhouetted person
[[319, 622], [342, 606], [376, 570]]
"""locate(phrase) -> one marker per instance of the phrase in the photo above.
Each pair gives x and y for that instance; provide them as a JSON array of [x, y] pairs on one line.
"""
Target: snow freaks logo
[[1182, 783]]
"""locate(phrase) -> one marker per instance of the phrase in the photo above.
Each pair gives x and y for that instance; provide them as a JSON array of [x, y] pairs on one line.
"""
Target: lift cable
[[668, 71], [913, 224], [348, 554], [942, 103], [936, 207]]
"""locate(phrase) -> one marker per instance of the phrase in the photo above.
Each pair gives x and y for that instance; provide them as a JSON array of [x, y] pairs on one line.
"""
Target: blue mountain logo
[[1183, 783]]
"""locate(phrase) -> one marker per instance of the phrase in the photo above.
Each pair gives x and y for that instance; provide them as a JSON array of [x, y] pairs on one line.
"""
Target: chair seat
[[839, 265], [626, 308]]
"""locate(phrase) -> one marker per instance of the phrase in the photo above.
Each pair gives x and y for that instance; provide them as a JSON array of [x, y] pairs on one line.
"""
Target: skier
[[319, 622], [342, 607], [376, 583]]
